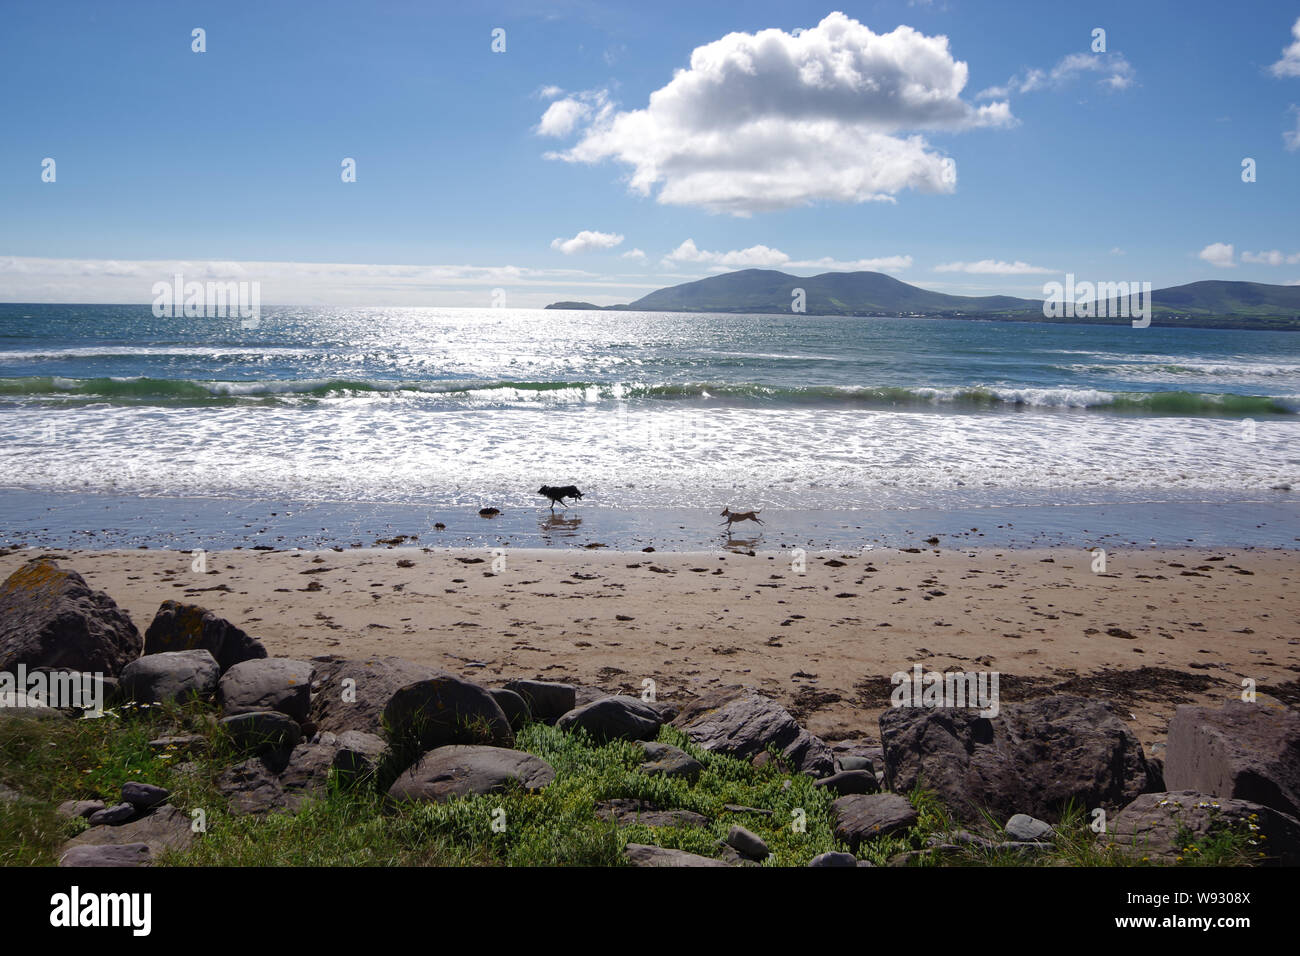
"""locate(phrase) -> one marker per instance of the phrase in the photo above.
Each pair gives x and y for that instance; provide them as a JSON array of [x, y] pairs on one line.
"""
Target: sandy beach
[[1157, 628]]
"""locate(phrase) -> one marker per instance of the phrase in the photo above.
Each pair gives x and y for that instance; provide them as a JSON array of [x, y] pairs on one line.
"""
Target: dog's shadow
[[564, 526], [742, 544]]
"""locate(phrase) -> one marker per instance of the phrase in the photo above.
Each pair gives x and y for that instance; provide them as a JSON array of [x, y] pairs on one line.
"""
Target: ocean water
[[461, 408]]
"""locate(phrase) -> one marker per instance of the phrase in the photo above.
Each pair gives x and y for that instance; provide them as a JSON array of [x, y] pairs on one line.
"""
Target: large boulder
[[446, 709], [747, 724], [1034, 757], [272, 683], [175, 675], [860, 816], [352, 694], [49, 617], [614, 718], [513, 706], [1159, 826], [546, 701], [459, 771], [262, 730], [187, 627], [1242, 750]]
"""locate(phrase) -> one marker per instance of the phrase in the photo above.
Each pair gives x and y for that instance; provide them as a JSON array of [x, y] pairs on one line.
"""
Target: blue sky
[[804, 152]]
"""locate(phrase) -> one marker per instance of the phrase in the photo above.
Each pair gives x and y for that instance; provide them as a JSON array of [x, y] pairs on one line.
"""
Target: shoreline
[[1157, 628]]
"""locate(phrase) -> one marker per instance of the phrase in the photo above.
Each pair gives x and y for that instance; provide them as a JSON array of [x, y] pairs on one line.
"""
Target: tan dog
[[733, 516]]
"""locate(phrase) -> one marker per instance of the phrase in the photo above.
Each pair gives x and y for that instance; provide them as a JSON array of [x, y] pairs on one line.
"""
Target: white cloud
[[1289, 65], [1219, 254], [993, 267], [765, 257], [1274, 257], [1291, 137], [774, 120], [633, 254], [1116, 73], [1117, 251], [585, 241]]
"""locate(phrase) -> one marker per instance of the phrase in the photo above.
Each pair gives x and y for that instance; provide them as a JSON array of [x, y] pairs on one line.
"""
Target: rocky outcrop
[[188, 627], [49, 617], [748, 724], [352, 694], [861, 817], [1162, 827], [1034, 757], [1241, 750]]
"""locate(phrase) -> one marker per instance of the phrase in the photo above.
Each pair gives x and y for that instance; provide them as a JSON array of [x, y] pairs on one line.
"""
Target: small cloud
[[1219, 254], [1291, 137], [633, 254], [585, 241], [549, 92], [1117, 251], [1289, 65], [993, 267], [765, 257], [1116, 73], [1274, 257]]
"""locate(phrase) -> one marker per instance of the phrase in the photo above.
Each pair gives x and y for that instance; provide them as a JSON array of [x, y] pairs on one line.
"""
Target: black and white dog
[[559, 494]]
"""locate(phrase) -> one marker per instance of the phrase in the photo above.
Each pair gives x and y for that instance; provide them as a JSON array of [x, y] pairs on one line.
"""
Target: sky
[[521, 153]]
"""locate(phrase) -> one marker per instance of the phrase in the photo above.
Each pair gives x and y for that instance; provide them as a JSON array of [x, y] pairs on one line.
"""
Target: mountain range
[[1205, 304]]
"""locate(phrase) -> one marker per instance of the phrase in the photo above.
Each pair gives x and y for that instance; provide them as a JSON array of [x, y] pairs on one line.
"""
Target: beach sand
[[1158, 628]]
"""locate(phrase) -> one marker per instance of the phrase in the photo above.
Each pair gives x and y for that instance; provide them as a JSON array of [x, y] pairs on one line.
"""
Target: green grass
[[49, 761]]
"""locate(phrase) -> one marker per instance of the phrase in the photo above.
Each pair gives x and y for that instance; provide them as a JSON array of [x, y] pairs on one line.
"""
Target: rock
[[173, 676], [669, 761], [626, 812], [834, 859], [445, 709], [166, 828], [144, 796], [849, 781], [860, 817], [127, 854], [458, 770], [179, 745], [271, 683], [513, 706], [748, 724], [546, 701], [278, 780], [188, 627], [49, 617], [1026, 829], [79, 808], [747, 843], [853, 762], [1151, 825], [262, 730], [352, 694], [614, 718], [358, 752], [112, 816], [641, 854], [1034, 757], [1241, 750]]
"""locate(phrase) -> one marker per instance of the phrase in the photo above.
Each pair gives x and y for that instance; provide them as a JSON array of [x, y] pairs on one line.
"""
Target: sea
[[327, 426]]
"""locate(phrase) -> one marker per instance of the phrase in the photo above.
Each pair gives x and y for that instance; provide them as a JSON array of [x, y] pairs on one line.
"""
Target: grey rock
[[834, 859], [358, 752], [1034, 757], [166, 828], [127, 854], [144, 796], [669, 761], [445, 709], [352, 694], [271, 683], [1152, 824], [277, 780], [49, 617], [861, 817], [459, 770], [1240, 750], [747, 724], [188, 627], [747, 843], [626, 812], [513, 706], [849, 781], [614, 718], [112, 816], [262, 730], [181, 744], [79, 808], [641, 854], [850, 762], [546, 701], [172, 676], [1027, 829]]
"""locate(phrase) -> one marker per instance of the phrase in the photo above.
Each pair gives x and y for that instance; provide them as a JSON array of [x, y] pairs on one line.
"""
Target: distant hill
[[1207, 304]]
